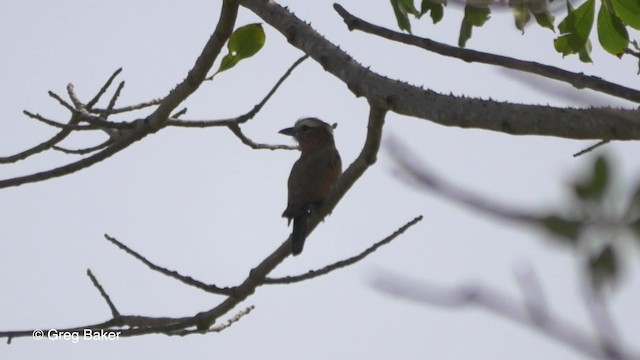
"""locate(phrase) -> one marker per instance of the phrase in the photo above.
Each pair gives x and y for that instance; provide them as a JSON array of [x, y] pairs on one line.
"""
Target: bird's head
[[311, 133]]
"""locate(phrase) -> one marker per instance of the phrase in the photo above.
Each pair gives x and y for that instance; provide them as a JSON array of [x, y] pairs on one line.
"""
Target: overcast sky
[[200, 202]]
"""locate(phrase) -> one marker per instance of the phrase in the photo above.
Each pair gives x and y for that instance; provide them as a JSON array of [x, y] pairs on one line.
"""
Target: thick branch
[[446, 110], [577, 80]]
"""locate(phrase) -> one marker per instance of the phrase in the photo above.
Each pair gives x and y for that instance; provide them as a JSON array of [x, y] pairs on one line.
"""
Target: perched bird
[[312, 175]]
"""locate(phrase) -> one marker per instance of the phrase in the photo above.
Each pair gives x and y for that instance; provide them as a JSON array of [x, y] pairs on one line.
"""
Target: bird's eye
[[304, 128]]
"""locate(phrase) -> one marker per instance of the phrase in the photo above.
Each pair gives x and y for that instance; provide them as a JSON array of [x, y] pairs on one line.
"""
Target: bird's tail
[[299, 234]]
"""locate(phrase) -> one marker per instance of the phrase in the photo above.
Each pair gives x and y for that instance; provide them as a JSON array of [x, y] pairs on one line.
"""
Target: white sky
[[200, 202]]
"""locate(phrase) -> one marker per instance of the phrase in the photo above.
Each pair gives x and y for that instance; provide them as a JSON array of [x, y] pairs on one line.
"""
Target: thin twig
[[63, 102], [117, 146], [606, 330], [129, 108], [46, 145], [112, 102], [170, 273], [346, 262], [84, 151], [103, 89], [180, 113], [68, 126], [235, 129], [114, 311], [217, 328], [244, 117], [591, 148], [74, 98]]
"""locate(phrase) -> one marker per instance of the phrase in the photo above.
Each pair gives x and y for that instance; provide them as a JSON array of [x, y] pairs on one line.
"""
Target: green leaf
[[245, 42], [520, 14], [408, 6], [542, 14], [561, 227], [594, 185], [575, 30], [584, 54], [612, 33], [401, 8], [628, 11], [633, 212], [473, 16], [603, 267], [435, 8]]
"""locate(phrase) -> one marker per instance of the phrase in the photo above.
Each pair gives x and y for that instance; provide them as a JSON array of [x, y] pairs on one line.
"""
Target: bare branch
[[420, 175], [235, 129], [218, 328], [103, 89], [203, 321], [344, 263], [114, 311], [129, 108], [112, 102], [244, 117], [203, 64], [497, 303], [577, 80], [117, 146], [46, 145], [606, 330], [74, 98], [63, 102], [534, 298], [154, 121], [58, 125], [591, 148], [179, 113], [170, 273], [86, 150]]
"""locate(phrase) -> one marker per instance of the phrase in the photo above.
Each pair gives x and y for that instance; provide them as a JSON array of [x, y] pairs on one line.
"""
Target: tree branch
[[171, 273], [114, 311], [203, 64], [577, 80], [502, 305], [448, 110], [235, 129], [138, 129], [244, 117], [346, 262]]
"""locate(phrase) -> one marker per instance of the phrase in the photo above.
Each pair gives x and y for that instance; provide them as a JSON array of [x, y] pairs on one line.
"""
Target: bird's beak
[[288, 131]]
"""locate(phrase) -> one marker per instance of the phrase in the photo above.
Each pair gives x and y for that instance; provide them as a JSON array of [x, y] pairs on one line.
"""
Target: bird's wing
[[311, 179]]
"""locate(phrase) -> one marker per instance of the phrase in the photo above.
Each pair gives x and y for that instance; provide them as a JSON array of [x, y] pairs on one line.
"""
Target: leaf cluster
[[614, 19], [599, 223]]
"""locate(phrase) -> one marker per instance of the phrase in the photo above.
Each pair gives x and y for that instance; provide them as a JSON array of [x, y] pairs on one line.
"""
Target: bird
[[312, 175]]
